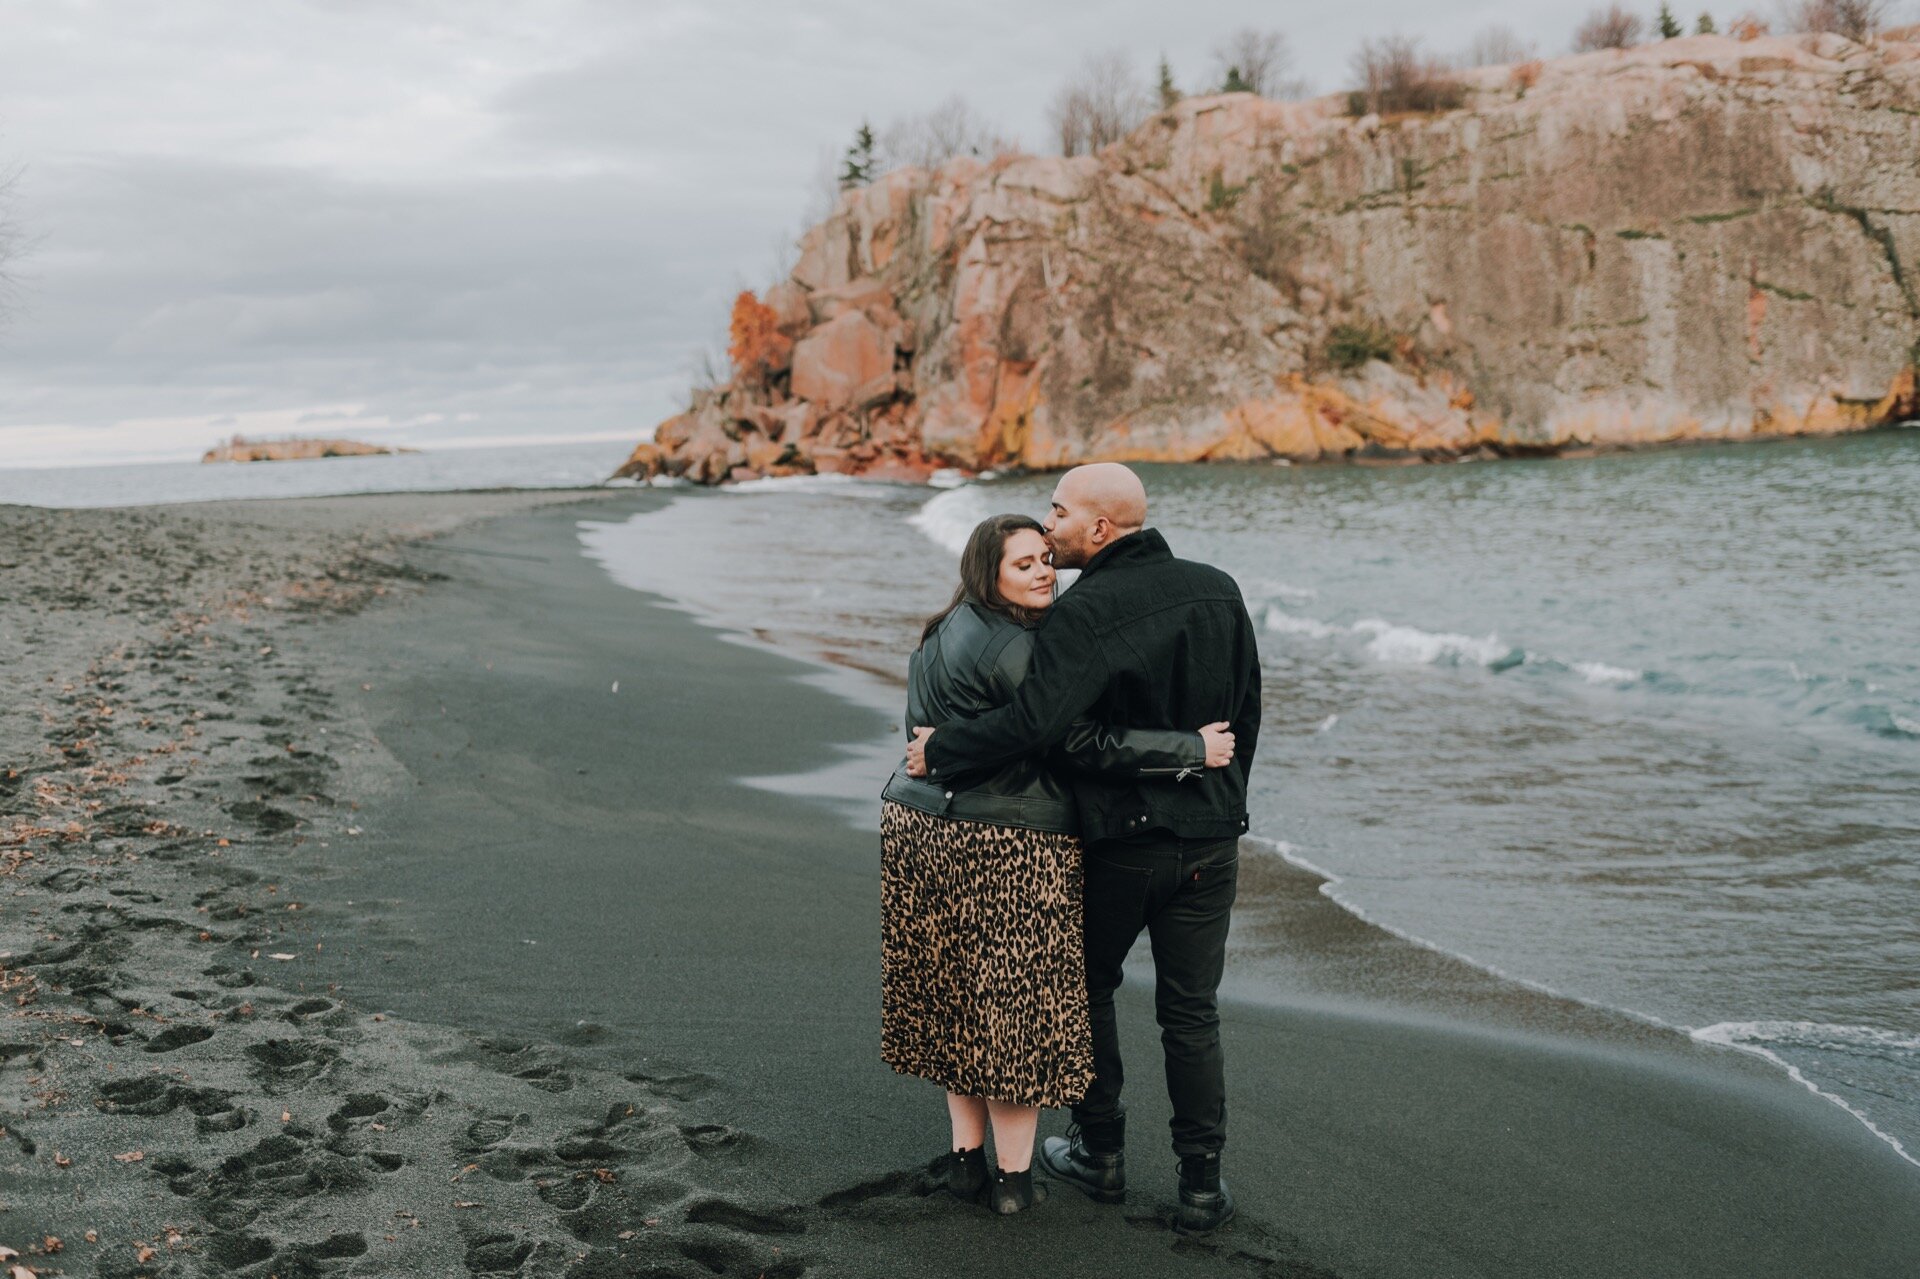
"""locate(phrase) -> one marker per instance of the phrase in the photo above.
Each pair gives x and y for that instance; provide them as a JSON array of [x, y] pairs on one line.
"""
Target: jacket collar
[[1144, 547]]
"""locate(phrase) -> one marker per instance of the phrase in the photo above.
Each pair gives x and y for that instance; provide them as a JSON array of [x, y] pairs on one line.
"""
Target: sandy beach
[[381, 895]]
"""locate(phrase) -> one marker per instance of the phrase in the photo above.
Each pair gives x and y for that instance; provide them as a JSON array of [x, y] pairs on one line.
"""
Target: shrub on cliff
[[1269, 238], [1168, 91], [1857, 20], [1255, 61], [1496, 46], [930, 139], [1608, 28], [1102, 103], [1349, 346], [1395, 75], [756, 345], [859, 167]]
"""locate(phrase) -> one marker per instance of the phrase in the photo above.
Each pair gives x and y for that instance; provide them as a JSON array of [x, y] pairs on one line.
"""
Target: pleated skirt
[[983, 982]]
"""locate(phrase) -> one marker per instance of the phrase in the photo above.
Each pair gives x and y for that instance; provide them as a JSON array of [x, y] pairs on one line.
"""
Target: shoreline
[[813, 840], [720, 935], [1278, 930]]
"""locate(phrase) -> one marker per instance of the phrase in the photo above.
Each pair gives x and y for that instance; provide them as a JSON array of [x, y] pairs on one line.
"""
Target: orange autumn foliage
[[756, 341]]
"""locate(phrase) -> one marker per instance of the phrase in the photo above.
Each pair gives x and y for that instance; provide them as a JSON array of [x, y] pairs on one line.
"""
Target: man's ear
[[1101, 532]]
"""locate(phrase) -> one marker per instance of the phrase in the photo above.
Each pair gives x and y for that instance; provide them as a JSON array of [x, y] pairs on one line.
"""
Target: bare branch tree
[[1857, 20], [1609, 28], [13, 243], [708, 367], [1105, 101], [1496, 46], [823, 188], [930, 139], [1261, 58], [1394, 74]]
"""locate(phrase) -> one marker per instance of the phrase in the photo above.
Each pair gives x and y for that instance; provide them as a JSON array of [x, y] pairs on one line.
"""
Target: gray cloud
[[480, 218]]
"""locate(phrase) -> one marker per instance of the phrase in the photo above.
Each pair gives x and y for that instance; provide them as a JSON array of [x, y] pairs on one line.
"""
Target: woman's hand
[[1219, 742], [917, 752]]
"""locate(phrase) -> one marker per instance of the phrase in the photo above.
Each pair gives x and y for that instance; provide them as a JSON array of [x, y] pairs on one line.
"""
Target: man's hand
[[1219, 740], [917, 752]]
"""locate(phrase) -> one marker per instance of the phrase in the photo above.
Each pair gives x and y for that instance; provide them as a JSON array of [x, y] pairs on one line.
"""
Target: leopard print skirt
[[983, 982]]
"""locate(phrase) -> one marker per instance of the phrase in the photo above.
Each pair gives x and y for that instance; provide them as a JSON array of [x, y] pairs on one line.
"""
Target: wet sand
[[565, 997]]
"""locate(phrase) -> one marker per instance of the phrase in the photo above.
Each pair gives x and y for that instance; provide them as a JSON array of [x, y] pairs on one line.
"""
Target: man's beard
[[1065, 555]]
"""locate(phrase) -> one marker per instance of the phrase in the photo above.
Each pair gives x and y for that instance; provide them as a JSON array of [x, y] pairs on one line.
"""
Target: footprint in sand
[[176, 1037], [280, 1064], [498, 1254]]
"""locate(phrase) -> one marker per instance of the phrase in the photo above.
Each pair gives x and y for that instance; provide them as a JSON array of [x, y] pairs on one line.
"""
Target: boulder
[[788, 302], [845, 363], [646, 461]]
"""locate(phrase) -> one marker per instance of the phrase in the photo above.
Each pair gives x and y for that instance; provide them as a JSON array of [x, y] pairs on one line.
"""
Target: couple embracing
[[1077, 774]]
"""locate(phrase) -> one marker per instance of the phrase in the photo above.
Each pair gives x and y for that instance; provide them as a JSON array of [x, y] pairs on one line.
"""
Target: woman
[[983, 979]]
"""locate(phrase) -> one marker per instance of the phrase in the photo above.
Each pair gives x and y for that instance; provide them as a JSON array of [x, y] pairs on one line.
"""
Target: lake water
[[521, 466], [1638, 730]]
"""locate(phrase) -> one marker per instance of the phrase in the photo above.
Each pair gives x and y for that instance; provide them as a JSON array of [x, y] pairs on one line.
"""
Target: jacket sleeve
[[1246, 719], [1066, 676], [1098, 750]]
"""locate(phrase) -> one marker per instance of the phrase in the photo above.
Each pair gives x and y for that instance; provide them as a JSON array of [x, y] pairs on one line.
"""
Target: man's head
[[1094, 506]]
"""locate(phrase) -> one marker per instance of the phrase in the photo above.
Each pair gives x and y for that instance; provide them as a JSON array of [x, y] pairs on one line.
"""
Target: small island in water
[[241, 449]]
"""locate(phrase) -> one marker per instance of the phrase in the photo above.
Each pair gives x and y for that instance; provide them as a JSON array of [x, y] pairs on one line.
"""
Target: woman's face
[[1026, 570]]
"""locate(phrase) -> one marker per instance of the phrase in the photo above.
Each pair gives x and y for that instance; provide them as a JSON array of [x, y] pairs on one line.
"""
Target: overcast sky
[[446, 222]]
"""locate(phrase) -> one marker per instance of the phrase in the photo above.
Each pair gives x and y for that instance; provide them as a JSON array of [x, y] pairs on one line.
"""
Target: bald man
[[1143, 640]]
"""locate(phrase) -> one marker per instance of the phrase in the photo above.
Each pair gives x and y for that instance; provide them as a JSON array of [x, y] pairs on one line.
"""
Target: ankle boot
[[1205, 1202], [964, 1173], [1012, 1192], [1092, 1157]]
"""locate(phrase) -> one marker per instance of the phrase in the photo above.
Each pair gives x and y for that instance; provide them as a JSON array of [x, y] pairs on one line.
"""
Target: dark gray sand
[[562, 996]]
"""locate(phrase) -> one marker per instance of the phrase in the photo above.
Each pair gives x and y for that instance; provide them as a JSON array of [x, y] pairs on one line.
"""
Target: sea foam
[[1761, 1038], [949, 517], [1410, 645], [1394, 644], [1601, 673], [828, 483]]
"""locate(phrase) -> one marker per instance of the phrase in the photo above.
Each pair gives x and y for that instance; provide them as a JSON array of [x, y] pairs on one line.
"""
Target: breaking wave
[[1768, 1039], [1394, 644], [950, 516]]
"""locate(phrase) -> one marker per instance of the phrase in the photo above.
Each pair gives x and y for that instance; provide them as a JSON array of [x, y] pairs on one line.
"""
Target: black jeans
[[1182, 893]]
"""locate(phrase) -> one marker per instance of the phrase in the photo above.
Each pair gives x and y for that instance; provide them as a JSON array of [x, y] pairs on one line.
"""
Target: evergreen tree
[[1169, 92], [1234, 83], [1668, 24], [858, 170], [1705, 26]]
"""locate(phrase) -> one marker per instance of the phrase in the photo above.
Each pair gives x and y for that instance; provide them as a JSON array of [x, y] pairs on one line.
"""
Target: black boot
[[1092, 1157], [964, 1173], [1013, 1192], [1205, 1202]]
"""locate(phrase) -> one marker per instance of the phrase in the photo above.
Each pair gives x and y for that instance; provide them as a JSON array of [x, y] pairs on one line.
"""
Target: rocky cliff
[[1698, 238]]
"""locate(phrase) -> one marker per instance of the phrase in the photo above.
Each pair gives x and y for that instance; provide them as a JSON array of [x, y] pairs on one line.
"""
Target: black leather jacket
[[973, 662], [1144, 640]]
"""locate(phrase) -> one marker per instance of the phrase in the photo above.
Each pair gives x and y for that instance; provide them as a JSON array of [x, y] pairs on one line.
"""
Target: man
[[1143, 640]]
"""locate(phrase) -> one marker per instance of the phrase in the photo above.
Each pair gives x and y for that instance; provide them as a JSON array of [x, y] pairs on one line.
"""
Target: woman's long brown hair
[[980, 572]]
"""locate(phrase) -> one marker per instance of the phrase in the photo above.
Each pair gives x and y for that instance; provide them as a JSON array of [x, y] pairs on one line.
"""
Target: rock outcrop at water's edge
[[1702, 238], [240, 449]]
